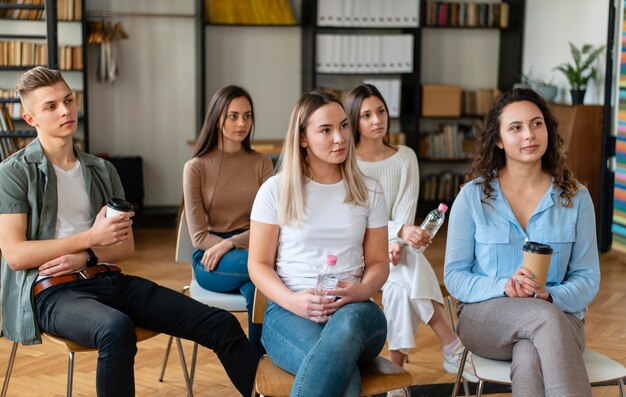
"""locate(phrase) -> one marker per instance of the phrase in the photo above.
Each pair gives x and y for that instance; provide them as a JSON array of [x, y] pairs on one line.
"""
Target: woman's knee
[[360, 320]]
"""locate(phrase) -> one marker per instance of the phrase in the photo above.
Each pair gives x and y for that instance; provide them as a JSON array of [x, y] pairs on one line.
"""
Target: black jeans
[[102, 313]]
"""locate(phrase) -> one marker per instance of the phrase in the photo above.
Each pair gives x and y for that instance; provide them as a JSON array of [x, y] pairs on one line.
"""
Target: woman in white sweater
[[412, 291]]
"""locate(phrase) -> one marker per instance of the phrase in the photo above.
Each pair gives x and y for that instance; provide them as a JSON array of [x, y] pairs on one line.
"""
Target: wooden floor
[[41, 370]]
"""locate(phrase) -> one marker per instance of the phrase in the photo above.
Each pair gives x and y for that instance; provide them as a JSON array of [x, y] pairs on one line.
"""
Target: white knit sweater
[[399, 177]]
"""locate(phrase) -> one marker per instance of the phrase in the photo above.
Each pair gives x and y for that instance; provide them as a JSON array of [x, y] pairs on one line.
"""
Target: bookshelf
[[495, 27], [378, 42], [29, 31]]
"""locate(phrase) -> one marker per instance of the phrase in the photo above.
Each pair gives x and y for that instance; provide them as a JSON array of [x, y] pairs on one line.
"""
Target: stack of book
[[365, 53], [30, 53], [249, 12], [368, 13], [442, 187], [440, 13], [67, 10], [478, 102], [449, 142], [10, 141]]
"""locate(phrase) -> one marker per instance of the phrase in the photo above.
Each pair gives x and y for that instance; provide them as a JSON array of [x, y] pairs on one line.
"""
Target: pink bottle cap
[[442, 207], [331, 260]]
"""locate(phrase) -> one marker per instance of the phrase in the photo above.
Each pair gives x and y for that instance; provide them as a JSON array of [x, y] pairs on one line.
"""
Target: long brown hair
[[354, 100], [491, 158], [213, 121]]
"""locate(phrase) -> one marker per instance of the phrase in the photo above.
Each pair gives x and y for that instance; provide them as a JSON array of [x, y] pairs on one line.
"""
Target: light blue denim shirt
[[485, 240]]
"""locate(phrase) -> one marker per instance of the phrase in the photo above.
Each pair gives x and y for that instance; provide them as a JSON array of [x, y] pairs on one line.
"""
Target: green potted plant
[[524, 80], [581, 71]]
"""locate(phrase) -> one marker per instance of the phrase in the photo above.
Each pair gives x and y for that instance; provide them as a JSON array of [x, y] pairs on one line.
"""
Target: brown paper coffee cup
[[537, 259]]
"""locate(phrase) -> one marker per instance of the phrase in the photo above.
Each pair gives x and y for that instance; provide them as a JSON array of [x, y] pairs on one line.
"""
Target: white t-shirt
[[328, 226], [74, 207]]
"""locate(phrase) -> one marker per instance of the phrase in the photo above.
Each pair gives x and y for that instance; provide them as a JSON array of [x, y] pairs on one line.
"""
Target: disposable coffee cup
[[117, 206], [537, 259]]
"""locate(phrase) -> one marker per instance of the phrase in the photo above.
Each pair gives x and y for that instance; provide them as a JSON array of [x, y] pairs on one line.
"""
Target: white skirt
[[407, 299]]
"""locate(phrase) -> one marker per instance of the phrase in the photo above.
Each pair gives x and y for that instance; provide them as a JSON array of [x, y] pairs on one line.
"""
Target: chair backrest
[[184, 247], [259, 306]]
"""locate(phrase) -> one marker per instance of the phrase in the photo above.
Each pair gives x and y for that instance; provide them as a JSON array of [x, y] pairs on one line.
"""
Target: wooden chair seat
[[141, 333], [377, 377]]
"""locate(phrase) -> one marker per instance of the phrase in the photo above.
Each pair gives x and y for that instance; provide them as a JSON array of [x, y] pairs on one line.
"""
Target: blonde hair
[[294, 168]]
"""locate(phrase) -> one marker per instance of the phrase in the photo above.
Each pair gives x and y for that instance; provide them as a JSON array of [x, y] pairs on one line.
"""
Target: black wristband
[[92, 259]]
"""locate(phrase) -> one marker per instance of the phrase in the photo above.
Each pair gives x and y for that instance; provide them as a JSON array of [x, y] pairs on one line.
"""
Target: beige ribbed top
[[229, 190]]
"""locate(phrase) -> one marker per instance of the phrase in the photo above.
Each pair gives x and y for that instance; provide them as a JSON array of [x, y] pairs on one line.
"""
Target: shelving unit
[[408, 119], [509, 68], [46, 30], [202, 24]]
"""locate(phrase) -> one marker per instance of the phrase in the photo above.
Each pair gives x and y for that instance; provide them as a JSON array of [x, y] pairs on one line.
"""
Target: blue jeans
[[230, 275], [324, 357], [102, 313]]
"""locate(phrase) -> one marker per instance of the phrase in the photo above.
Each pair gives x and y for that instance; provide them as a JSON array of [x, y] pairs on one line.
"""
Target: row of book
[[15, 109], [249, 12], [440, 13], [29, 53], [368, 13], [441, 187], [367, 53], [9, 142], [67, 10], [478, 102], [450, 141]]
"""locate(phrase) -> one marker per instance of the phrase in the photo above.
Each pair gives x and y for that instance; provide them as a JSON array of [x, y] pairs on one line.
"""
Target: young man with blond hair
[[54, 234]]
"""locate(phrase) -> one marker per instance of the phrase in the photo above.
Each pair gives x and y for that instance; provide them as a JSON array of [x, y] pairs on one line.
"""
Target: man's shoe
[[452, 361]]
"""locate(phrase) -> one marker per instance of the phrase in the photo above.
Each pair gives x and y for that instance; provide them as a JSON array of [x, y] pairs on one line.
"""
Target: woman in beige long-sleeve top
[[220, 183]]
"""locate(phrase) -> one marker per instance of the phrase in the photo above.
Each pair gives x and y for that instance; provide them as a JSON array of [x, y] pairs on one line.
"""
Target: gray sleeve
[[13, 190]]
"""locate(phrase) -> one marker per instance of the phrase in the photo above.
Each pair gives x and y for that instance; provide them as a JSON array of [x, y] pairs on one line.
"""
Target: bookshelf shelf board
[[9, 100], [18, 134], [23, 36], [12, 6]]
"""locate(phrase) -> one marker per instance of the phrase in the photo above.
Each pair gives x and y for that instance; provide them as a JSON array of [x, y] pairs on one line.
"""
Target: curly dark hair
[[491, 158]]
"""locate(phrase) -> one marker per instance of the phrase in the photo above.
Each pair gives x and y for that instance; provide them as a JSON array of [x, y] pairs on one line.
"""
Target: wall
[[149, 111], [550, 25]]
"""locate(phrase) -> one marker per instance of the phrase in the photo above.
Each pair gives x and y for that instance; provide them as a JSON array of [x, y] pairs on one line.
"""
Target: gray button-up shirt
[[28, 185]]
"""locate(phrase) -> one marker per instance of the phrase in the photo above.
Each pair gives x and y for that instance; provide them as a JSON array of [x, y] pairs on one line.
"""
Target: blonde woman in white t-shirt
[[412, 293], [318, 204]]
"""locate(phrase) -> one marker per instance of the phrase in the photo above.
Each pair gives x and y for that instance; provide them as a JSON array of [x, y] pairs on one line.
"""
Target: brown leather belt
[[85, 274]]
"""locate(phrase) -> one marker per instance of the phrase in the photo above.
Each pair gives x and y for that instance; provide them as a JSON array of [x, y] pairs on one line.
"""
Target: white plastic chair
[[232, 302], [600, 368]]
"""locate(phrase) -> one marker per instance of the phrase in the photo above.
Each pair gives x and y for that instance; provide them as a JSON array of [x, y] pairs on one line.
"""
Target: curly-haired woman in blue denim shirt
[[520, 190]]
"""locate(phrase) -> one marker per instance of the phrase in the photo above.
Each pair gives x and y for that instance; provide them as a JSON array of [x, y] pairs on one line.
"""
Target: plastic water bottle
[[327, 277], [433, 222]]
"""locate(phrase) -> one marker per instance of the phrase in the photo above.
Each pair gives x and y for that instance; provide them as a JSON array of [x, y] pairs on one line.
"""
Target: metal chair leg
[[167, 356], [70, 373], [194, 357], [466, 388], [459, 375], [620, 384], [184, 365], [7, 376], [479, 388]]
